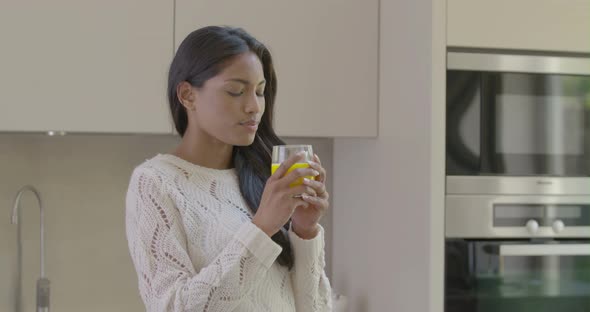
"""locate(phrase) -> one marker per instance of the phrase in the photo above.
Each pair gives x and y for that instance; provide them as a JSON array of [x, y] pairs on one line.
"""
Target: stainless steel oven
[[517, 253], [517, 210]]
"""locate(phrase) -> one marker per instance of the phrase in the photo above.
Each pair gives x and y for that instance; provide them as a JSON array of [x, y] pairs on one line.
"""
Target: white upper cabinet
[[85, 66], [325, 54], [542, 25]]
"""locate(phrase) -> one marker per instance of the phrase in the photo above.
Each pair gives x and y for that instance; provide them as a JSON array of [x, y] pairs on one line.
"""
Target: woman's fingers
[[319, 187], [318, 202], [318, 167], [286, 165], [297, 174], [297, 191]]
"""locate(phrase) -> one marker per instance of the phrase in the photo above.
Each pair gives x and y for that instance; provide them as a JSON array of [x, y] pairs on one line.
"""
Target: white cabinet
[[85, 66], [544, 25], [325, 54]]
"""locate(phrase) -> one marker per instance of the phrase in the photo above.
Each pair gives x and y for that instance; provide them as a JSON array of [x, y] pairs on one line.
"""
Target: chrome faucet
[[42, 282]]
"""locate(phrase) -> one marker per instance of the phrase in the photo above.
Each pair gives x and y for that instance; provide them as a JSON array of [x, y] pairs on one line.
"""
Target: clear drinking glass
[[281, 153]]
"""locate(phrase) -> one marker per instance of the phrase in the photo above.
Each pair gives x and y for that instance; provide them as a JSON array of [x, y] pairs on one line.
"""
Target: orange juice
[[299, 181]]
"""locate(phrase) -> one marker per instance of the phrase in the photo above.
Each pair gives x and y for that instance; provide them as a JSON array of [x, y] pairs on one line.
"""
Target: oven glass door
[[518, 124], [513, 275]]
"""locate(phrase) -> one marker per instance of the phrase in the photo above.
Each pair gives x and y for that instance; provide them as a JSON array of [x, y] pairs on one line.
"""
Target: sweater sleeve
[[168, 280], [310, 283]]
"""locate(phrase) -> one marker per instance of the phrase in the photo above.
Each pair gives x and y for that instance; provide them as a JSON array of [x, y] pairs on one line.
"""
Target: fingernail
[[315, 173]]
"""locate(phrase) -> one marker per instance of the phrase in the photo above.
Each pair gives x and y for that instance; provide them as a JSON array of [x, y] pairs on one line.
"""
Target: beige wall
[[83, 180], [389, 192]]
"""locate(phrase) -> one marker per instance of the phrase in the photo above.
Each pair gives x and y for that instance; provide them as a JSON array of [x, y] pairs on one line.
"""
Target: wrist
[[305, 232], [267, 231]]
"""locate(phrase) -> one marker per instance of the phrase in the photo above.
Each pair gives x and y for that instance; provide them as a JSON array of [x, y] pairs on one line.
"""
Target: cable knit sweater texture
[[195, 248]]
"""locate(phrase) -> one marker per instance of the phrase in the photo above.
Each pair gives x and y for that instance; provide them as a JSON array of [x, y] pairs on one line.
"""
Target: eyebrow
[[246, 82]]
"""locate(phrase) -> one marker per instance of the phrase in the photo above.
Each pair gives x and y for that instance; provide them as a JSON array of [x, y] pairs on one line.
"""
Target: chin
[[246, 141]]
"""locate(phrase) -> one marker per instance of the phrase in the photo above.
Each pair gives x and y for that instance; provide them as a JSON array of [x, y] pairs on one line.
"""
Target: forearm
[[310, 283]]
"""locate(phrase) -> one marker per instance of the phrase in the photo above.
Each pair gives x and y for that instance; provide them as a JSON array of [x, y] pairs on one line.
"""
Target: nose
[[254, 104]]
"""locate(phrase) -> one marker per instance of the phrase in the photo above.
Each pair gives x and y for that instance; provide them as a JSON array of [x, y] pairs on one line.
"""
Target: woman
[[209, 228]]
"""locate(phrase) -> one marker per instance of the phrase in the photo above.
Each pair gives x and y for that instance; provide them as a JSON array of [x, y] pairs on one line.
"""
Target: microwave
[[518, 121]]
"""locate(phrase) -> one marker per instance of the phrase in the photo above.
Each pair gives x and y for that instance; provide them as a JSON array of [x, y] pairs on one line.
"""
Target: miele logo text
[[541, 182]]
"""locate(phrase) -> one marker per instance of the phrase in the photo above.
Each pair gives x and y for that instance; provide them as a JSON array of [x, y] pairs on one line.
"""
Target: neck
[[204, 150]]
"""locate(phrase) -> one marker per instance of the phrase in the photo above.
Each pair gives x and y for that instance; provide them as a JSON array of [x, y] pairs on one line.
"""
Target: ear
[[186, 95]]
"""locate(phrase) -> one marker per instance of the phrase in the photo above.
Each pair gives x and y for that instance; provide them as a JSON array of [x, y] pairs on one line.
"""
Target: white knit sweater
[[195, 248]]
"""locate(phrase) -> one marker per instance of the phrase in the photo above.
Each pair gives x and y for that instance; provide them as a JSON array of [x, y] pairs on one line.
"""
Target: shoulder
[[157, 167], [153, 174], [150, 183]]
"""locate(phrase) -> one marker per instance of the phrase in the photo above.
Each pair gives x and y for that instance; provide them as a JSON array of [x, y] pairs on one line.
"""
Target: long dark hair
[[201, 56]]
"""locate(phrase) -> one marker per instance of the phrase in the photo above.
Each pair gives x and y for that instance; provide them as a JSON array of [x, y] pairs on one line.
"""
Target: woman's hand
[[305, 219], [279, 200]]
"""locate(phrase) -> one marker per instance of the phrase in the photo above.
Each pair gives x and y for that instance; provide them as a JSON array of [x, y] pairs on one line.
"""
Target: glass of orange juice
[[281, 153]]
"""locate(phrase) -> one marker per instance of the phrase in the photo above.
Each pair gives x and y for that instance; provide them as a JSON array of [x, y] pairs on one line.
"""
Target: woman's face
[[229, 106]]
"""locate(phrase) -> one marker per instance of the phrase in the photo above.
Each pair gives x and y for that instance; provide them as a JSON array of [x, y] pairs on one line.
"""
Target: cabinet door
[[85, 66], [325, 53], [546, 25]]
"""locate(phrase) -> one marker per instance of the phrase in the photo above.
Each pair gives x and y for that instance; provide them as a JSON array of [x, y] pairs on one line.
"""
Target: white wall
[[389, 192], [83, 180]]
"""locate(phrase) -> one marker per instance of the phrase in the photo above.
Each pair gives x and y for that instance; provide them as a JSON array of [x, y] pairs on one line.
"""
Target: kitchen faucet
[[42, 282]]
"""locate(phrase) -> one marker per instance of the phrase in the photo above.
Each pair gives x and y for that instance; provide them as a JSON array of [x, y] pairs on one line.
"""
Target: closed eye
[[235, 94]]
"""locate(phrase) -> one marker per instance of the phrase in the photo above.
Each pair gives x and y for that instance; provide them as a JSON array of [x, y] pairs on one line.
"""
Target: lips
[[251, 123]]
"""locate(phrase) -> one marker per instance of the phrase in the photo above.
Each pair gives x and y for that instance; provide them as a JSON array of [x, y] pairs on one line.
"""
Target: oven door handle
[[529, 250], [534, 64]]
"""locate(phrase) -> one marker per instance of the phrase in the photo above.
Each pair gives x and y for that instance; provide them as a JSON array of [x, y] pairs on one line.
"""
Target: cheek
[[213, 107], [221, 117]]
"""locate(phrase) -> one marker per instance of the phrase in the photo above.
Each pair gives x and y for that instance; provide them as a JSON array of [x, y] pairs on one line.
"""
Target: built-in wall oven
[[517, 210]]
